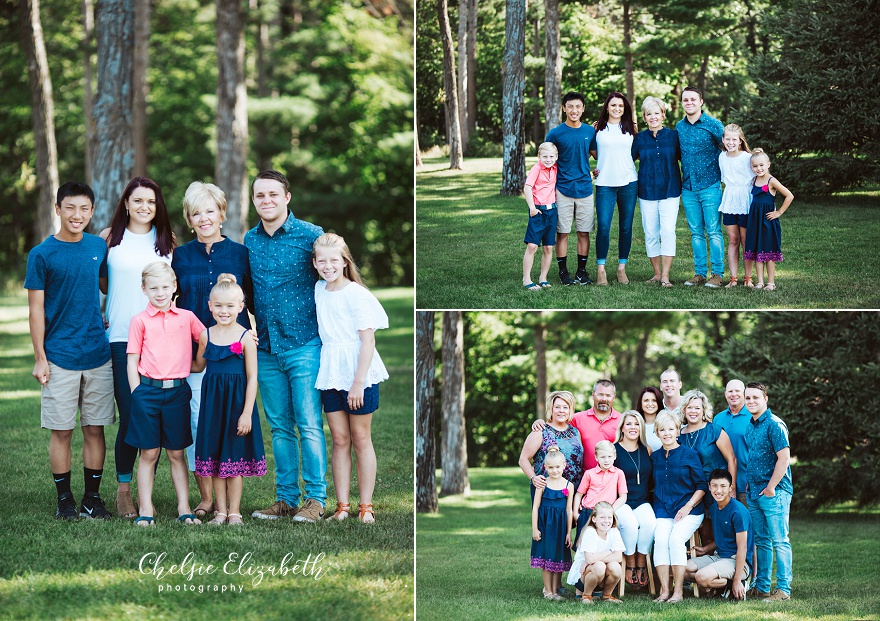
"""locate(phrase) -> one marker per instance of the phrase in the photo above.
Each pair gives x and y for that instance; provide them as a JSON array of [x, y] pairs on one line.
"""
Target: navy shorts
[[542, 227], [738, 219], [160, 418], [337, 400]]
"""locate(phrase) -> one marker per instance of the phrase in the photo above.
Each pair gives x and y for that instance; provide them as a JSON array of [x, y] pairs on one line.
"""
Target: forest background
[[320, 90]]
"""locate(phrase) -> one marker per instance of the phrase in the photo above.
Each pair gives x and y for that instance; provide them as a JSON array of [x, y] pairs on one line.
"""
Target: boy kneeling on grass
[[729, 568], [540, 193]]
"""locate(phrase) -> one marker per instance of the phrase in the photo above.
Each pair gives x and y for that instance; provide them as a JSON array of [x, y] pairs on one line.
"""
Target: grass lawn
[[474, 564], [469, 244], [90, 569]]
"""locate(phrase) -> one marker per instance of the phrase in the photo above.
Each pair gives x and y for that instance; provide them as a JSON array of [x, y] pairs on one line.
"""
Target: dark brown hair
[[275, 176], [627, 125], [164, 234]]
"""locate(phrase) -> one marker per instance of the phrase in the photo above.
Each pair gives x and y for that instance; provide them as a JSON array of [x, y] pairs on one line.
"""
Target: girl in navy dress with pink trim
[[551, 525]]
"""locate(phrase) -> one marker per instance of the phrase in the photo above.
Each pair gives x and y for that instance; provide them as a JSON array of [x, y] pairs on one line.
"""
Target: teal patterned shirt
[[700, 144]]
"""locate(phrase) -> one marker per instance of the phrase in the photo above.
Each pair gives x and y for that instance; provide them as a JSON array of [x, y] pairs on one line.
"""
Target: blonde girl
[[736, 173], [764, 234], [229, 443], [600, 552], [551, 524], [350, 369]]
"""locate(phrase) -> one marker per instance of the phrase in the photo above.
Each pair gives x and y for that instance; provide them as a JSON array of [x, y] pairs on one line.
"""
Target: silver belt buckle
[[166, 384]]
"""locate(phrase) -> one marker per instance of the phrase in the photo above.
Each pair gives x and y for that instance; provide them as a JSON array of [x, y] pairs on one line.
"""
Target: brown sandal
[[363, 510], [341, 507], [125, 505]]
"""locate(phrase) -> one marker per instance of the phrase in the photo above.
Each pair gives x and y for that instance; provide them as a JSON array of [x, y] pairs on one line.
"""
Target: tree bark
[[453, 449], [262, 52], [43, 114], [418, 153], [513, 99], [628, 54], [537, 132], [552, 66], [141, 86], [450, 90], [114, 153], [230, 172], [426, 480], [88, 9], [463, 17], [472, 68], [541, 365]]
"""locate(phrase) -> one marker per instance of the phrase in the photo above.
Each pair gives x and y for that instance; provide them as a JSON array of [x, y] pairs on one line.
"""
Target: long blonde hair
[[618, 435], [743, 145], [332, 240]]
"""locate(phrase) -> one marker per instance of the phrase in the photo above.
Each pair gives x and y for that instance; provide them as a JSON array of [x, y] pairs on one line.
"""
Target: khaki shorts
[[578, 209], [89, 391], [723, 566]]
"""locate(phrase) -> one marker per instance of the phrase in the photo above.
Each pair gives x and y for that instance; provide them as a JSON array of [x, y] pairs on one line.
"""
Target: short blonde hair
[[618, 435], [157, 269], [756, 153], [199, 194], [566, 396], [227, 283], [604, 446], [665, 419], [696, 394], [547, 146], [553, 455], [652, 102]]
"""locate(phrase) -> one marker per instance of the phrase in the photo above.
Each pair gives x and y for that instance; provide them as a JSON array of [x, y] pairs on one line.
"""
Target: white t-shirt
[[340, 315], [651, 437], [592, 543], [615, 163], [125, 297], [737, 175]]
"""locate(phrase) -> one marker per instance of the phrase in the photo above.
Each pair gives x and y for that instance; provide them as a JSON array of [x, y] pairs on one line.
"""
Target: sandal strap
[[365, 508]]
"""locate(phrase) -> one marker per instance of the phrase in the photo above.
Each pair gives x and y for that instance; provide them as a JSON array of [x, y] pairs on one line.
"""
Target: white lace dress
[[340, 315], [737, 175]]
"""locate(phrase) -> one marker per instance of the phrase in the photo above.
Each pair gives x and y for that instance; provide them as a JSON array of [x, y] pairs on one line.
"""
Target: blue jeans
[[770, 521], [291, 402], [625, 197], [701, 211], [125, 453]]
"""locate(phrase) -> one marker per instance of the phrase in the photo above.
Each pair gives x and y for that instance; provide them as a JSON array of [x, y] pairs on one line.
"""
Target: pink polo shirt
[[543, 182], [163, 339], [593, 431], [598, 485]]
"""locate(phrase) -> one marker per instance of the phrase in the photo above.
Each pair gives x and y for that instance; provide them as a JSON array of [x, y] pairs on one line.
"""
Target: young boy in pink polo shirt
[[604, 482], [159, 361], [540, 193]]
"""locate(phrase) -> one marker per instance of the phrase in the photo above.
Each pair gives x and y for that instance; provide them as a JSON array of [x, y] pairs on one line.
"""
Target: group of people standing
[[643, 481], [685, 165], [175, 349]]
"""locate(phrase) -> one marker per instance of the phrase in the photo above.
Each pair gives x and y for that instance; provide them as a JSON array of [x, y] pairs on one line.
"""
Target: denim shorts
[[738, 219], [337, 400], [542, 227], [160, 418]]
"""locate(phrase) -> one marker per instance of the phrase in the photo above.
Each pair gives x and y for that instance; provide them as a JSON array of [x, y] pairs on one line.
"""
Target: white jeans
[[195, 383], [636, 527], [670, 539], [658, 221]]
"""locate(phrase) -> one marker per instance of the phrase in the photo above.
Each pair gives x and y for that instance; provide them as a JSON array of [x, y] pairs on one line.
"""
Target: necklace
[[638, 466], [692, 437]]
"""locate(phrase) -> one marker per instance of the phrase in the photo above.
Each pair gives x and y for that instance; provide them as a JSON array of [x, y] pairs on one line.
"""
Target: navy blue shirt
[[284, 284], [68, 274], [676, 478], [700, 144], [766, 436], [726, 523], [573, 179], [659, 173], [638, 470]]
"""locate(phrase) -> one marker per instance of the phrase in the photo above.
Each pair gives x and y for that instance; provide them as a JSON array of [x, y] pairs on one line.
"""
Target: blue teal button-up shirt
[[659, 174], [284, 283], [766, 436], [700, 145], [736, 426], [676, 477]]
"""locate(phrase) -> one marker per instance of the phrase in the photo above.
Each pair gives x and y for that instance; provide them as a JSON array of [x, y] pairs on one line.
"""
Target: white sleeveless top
[[125, 297], [615, 163]]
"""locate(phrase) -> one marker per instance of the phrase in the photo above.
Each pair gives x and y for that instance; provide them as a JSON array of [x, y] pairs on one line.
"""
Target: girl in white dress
[[737, 175], [350, 369]]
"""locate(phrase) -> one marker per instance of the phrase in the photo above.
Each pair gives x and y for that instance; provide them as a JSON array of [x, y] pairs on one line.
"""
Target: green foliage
[[822, 370]]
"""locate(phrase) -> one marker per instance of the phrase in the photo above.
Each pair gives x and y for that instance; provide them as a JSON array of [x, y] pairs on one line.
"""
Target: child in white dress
[[737, 175]]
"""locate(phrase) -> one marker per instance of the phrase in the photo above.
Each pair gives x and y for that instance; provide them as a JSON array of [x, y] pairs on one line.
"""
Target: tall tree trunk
[[638, 374], [114, 153], [513, 98], [141, 86], [541, 365], [453, 451], [537, 132], [426, 480], [450, 90], [418, 153], [463, 17], [263, 70], [88, 9], [43, 116], [628, 54], [701, 77], [552, 66], [230, 172], [472, 68]]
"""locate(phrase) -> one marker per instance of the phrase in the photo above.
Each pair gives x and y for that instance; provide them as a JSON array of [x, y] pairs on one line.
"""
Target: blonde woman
[[557, 432]]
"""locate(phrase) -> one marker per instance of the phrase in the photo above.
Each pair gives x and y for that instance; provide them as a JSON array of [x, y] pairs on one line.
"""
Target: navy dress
[[550, 553], [220, 451], [763, 236]]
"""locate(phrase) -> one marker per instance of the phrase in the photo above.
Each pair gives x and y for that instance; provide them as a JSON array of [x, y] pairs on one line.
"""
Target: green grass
[[470, 248], [89, 569], [474, 564]]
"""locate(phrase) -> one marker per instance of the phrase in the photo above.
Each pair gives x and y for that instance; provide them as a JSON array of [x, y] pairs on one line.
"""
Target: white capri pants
[[636, 527], [658, 222], [195, 383], [670, 538]]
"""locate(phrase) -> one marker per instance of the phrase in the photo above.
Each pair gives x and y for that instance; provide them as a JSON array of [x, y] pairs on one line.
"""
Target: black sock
[[62, 483], [582, 263], [93, 480], [561, 262]]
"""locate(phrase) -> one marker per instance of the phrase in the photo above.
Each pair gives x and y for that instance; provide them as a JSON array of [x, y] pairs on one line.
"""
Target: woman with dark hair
[[139, 233], [649, 404], [616, 181]]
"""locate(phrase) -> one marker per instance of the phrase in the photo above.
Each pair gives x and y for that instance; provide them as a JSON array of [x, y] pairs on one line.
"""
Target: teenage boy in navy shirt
[[71, 351]]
